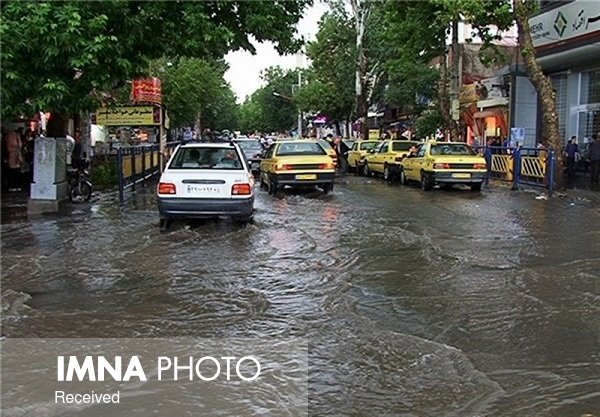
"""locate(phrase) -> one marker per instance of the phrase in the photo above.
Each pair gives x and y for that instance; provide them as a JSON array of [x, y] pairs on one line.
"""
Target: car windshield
[[300, 148], [451, 149], [325, 145], [402, 146], [250, 147], [367, 146], [206, 158]]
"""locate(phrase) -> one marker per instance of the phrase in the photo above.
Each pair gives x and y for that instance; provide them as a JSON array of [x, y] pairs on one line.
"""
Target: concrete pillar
[[49, 188]]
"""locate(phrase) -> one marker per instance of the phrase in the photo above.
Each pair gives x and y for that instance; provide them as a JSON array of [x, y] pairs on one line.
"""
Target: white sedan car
[[206, 180]]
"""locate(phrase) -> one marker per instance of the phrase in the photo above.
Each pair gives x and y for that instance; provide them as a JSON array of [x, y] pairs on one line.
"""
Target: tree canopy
[[272, 108], [61, 56]]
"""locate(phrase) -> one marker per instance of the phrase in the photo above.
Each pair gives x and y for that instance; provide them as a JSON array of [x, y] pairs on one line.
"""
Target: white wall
[[525, 110]]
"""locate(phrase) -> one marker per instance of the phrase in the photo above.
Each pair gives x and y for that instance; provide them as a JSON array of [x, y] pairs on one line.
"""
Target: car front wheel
[[403, 178], [387, 175], [366, 170]]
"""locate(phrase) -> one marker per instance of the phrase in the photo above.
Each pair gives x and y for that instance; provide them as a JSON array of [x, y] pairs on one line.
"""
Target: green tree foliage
[[189, 86], [61, 56], [330, 87], [251, 115], [223, 112], [416, 32], [272, 108]]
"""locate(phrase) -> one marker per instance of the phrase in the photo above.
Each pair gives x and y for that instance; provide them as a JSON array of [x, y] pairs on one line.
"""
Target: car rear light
[[241, 189], [166, 188], [285, 167], [441, 166], [326, 166], [479, 166]]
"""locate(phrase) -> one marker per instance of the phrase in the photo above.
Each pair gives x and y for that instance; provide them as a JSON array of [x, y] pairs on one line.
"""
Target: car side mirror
[[372, 151]]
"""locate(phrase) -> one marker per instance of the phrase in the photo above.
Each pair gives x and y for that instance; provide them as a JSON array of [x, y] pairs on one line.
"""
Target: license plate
[[306, 177], [202, 189], [461, 175]]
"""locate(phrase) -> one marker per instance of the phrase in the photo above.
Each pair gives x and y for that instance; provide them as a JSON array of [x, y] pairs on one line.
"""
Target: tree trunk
[[456, 75], [198, 124], [361, 11], [543, 85], [338, 130], [444, 101]]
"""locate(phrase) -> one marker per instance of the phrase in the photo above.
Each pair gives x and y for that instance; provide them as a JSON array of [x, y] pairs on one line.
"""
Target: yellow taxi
[[444, 163], [358, 151], [296, 163], [330, 151], [386, 158]]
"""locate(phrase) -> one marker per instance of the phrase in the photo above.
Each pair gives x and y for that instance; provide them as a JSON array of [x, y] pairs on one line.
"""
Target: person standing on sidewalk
[[571, 151], [594, 156], [13, 159]]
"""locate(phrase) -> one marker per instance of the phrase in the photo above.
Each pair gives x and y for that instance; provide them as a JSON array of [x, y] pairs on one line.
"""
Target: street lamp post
[[276, 94]]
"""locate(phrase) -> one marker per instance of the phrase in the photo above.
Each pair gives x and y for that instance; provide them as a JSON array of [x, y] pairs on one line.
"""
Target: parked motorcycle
[[80, 186]]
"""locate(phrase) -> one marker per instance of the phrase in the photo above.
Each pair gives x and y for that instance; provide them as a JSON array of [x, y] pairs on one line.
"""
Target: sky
[[245, 68]]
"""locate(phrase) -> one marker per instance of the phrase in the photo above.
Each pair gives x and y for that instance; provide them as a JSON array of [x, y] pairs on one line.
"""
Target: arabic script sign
[[147, 90], [569, 21], [128, 116]]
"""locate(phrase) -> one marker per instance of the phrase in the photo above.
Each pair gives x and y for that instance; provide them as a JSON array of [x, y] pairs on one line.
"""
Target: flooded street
[[445, 303]]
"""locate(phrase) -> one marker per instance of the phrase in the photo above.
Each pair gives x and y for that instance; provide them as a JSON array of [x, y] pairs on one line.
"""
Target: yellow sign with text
[[128, 116], [468, 93]]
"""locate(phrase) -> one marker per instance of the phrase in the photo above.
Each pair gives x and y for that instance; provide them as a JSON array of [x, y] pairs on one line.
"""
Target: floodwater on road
[[441, 303]]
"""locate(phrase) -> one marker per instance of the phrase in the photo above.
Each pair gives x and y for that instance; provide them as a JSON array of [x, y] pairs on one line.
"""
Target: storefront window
[[590, 87]]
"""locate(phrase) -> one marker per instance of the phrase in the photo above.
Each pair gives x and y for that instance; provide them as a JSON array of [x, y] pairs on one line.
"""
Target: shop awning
[[487, 113]]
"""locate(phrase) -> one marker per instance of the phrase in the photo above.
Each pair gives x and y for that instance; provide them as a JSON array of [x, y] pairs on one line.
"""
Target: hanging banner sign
[[468, 93], [128, 116], [147, 90]]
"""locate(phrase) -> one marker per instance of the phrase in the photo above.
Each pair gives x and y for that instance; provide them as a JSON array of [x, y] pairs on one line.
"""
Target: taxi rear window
[[206, 158], [402, 146], [300, 148], [451, 149], [367, 146]]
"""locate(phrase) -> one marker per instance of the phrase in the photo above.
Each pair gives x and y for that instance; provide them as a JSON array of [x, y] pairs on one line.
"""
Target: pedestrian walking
[[571, 151], [341, 150], [594, 157]]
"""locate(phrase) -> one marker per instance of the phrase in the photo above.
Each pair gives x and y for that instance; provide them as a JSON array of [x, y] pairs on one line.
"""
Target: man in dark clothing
[[77, 155], [341, 150], [594, 156], [571, 150]]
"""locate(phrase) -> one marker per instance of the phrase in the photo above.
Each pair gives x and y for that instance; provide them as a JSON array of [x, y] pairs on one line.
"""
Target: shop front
[[484, 110]]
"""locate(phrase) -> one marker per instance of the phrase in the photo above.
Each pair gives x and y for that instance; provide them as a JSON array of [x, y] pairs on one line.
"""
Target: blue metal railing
[[136, 164], [521, 166]]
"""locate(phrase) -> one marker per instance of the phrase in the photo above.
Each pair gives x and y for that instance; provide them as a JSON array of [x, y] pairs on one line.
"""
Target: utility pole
[[299, 66], [456, 81], [299, 111]]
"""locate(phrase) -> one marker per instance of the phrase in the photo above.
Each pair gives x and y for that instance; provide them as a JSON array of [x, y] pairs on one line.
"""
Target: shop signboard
[[128, 116], [373, 134], [147, 90], [467, 93], [572, 20]]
